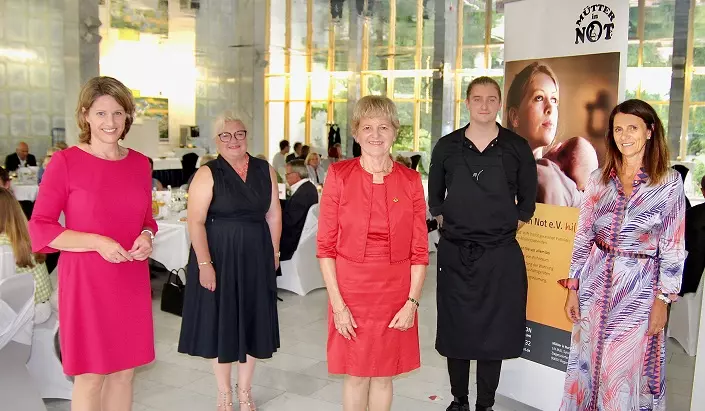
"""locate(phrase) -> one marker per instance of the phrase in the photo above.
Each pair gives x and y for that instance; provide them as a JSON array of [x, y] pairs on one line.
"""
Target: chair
[[302, 274], [45, 366], [684, 320], [188, 166], [17, 388], [415, 159]]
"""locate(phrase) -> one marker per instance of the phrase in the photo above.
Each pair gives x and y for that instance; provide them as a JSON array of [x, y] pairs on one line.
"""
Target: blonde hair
[[47, 157], [98, 87], [310, 156], [14, 224], [375, 106]]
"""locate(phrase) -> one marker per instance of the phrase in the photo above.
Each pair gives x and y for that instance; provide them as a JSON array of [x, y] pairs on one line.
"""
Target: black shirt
[[519, 167], [695, 246]]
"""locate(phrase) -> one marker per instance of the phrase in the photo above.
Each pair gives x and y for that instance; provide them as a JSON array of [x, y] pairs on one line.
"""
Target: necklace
[[243, 171], [385, 170]]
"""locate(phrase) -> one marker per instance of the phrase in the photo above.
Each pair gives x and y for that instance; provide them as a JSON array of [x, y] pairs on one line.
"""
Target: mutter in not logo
[[595, 23]]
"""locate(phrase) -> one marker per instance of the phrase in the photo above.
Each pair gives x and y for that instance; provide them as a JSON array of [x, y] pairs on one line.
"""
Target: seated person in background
[[45, 163], [4, 179], [316, 173], [406, 161], [694, 245], [16, 254], [279, 159], [304, 152], [21, 158], [61, 145], [296, 154], [155, 183], [303, 195], [335, 153]]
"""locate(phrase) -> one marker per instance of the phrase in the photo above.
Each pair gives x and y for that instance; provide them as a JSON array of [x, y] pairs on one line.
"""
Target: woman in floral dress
[[626, 268]]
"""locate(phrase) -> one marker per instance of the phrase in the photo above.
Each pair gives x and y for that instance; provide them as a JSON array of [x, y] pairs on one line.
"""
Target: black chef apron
[[482, 284]]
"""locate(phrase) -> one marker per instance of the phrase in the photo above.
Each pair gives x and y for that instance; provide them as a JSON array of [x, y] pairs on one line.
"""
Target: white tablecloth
[[172, 244], [169, 163], [25, 192]]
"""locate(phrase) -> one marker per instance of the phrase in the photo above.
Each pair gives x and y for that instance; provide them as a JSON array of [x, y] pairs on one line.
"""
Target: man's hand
[[439, 220], [520, 225]]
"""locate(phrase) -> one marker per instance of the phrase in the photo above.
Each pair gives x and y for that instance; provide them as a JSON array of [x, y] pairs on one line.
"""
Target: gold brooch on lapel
[[396, 200]]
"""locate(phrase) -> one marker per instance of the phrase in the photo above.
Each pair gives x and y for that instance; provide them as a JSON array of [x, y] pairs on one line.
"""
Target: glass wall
[[314, 64], [695, 93]]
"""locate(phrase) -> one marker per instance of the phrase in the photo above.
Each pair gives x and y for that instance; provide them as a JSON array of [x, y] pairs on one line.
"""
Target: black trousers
[[487, 379]]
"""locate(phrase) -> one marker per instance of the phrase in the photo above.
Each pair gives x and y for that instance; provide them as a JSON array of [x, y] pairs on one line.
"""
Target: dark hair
[[520, 85], [702, 183], [483, 81], [305, 150], [4, 176], [656, 155], [297, 145], [283, 144]]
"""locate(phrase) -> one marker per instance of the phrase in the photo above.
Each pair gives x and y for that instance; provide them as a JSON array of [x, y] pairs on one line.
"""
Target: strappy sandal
[[248, 398], [223, 402]]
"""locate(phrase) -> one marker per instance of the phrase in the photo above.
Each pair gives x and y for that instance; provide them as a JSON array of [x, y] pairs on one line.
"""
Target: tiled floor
[[297, 379]]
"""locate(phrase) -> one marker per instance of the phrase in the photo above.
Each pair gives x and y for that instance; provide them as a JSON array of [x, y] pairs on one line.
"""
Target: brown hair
[[520, 86], [4, 176], [98, 87], [14, 224], [656, 155], [483, 81]]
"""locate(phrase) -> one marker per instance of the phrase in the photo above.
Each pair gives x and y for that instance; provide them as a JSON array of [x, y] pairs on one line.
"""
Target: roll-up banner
[[565, 62]]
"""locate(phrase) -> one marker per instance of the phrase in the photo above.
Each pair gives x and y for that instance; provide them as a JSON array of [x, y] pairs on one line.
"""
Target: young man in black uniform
[[489, 174]]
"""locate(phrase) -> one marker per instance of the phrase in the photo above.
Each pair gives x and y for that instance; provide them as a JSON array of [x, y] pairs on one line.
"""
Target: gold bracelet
[[206, 263], [414, 301]]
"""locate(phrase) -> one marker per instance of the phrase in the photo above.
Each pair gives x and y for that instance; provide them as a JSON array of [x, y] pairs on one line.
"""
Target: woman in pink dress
[[104, 191]]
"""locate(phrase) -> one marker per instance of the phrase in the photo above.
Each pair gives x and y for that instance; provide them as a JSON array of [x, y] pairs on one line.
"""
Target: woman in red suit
[[373, 251]]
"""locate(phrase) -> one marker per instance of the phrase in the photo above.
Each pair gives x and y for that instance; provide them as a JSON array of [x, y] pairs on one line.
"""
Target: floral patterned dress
[[627, 250]]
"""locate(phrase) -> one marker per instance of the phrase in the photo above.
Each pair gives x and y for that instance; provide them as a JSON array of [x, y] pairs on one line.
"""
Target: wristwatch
[[664, 297]]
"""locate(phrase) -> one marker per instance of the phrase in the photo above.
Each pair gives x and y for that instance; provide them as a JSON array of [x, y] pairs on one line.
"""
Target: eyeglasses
[[226, 137]]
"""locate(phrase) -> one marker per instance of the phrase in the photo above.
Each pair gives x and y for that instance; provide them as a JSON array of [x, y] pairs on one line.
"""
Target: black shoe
[[456, 406]]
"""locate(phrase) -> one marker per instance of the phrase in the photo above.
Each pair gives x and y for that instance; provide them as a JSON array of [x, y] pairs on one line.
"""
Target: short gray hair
[[222, 119], [298, 167]]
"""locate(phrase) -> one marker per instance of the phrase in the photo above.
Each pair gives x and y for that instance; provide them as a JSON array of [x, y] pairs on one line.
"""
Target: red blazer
[[345, 213]]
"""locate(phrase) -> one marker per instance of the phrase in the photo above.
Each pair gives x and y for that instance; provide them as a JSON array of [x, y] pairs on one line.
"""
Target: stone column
[[81, 56], [677, 94], [230, 59], [444, 56]]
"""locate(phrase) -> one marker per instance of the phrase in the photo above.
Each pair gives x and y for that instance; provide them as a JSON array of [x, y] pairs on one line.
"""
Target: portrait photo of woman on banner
[[560, 106]]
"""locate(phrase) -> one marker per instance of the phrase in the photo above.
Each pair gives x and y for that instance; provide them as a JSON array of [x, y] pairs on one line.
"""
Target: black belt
[[239, 219]]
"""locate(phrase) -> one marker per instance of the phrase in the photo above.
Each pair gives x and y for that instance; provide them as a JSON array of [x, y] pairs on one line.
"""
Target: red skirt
[[374, 291]]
